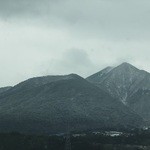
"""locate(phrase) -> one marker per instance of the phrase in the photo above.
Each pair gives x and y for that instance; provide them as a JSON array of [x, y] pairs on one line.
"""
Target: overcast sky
[[47, 37]]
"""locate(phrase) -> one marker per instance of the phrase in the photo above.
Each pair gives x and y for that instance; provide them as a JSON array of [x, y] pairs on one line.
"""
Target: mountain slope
[[55, 105], [140, 103], [4, 89]]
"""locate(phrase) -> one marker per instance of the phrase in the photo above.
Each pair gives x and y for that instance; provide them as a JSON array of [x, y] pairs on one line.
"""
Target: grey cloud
[[98, 18], [72, 61], [21, 8], [37, 36]]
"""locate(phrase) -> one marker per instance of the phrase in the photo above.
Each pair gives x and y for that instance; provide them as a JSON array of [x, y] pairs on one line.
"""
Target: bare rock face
[[56, 104]]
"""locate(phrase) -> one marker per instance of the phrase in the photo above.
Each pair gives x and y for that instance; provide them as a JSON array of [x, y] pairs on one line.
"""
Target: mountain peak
[[125, 63], [122, 81], [126, 66], [74, 76]]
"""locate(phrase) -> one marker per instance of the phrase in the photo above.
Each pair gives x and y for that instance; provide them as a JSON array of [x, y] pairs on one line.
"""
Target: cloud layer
[[45, 37]]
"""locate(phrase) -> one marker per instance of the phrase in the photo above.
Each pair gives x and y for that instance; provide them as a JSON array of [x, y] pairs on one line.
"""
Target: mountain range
[[116, 97]]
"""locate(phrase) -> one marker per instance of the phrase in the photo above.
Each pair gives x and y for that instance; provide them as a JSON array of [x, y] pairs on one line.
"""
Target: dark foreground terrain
[[134, 140]]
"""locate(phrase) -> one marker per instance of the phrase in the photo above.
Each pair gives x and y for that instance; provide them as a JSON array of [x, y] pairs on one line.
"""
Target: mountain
[[126, 83], [122, 81], [56, 104], [4, 89]]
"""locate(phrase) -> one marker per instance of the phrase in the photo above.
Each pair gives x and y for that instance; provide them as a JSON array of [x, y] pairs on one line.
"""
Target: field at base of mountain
[[133, 140]]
